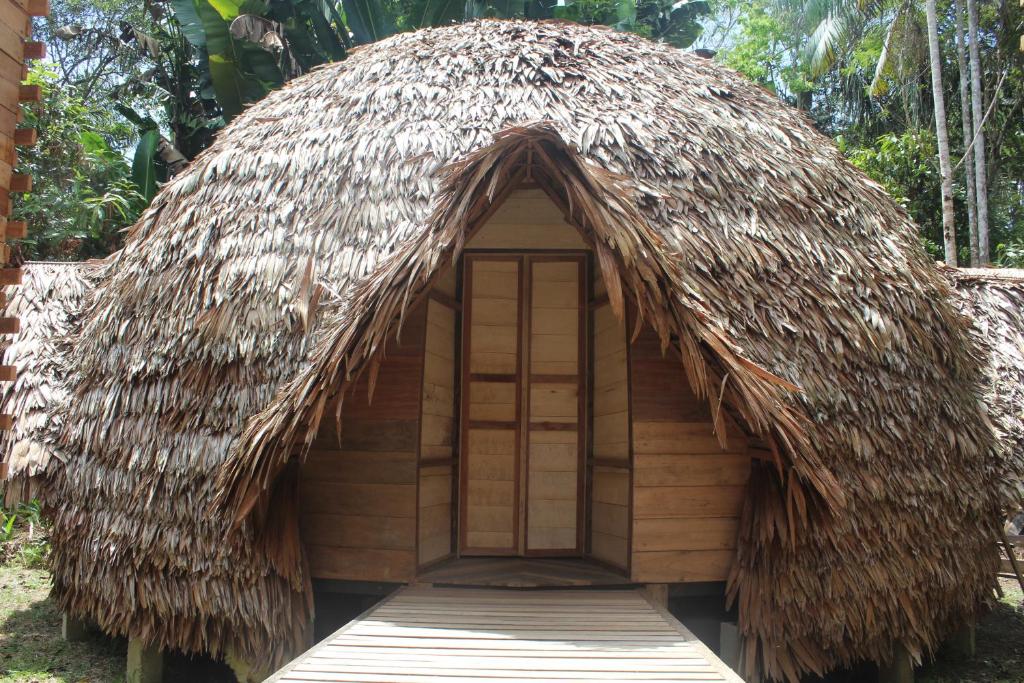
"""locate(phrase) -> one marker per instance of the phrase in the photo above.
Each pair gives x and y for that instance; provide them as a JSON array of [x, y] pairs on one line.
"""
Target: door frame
[[520, 527]]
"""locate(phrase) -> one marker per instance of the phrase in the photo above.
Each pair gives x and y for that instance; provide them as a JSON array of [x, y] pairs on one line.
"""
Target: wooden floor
[[423, 634], [520, 572]]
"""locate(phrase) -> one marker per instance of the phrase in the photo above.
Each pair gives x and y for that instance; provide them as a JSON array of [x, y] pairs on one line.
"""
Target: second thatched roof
[[994, 300], [794, 287], [47, 303]]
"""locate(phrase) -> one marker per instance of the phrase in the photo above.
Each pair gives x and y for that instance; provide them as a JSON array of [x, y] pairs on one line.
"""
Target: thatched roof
[[795, 287], [48, 303], [994, 300]]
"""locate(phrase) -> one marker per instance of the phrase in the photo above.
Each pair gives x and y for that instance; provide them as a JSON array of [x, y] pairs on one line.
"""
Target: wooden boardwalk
[[423, 634]]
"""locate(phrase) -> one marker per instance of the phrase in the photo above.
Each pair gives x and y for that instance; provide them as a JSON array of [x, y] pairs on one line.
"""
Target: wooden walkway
[[422, 634]]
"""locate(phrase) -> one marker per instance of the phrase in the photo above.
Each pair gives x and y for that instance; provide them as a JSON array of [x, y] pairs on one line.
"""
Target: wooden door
[[521, 483], [555, 405]]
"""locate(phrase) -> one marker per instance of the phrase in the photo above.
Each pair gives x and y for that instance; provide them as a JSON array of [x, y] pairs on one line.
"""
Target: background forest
[[133, 89]]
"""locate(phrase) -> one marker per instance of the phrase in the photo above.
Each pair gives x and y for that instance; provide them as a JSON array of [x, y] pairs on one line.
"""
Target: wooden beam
[[26, 136], [8, 373], [10, 276], [35, 49], [30, 93], [6, 422], [10, 325], [444, 299], [17, 230], [21, 182], [38, 8], [1012, 555]]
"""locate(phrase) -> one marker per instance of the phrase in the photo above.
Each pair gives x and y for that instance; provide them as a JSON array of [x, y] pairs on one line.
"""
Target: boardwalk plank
[[424, 634]]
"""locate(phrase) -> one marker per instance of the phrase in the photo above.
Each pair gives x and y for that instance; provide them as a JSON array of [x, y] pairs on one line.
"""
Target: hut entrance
[[523, 378]]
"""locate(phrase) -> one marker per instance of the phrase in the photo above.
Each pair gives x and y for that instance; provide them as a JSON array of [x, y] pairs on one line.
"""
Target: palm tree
[[968, 131], [941, 135], [980, 177]]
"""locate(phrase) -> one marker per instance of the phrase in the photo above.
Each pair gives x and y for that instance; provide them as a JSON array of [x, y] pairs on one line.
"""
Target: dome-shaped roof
[[796, 287]]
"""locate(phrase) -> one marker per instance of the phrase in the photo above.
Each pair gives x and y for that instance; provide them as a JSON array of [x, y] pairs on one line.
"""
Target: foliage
[[160, 77], [676, 23], [82, 195], [23, 536], [860, 70]]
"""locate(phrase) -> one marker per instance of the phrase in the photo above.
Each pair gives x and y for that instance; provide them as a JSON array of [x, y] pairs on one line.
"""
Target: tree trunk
[[977, 107], [941, 135], [968, 128]]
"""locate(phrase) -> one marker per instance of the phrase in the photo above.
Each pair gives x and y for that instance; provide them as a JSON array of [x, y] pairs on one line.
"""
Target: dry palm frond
[[47, 304]]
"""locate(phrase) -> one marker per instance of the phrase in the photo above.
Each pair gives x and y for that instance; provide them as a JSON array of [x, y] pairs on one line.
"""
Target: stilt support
[[145, 663], [73, 630], [657, 593], [729, 645], [899, 670], [960, 643]]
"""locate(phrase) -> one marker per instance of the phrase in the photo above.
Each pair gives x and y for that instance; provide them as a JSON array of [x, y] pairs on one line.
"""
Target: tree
[[978, 143], [941, 135], [968, 133], [83, 195]]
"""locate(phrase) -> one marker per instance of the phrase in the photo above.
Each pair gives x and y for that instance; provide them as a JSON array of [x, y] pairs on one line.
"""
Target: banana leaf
[[144, 168], [441, 12], [369, 20]]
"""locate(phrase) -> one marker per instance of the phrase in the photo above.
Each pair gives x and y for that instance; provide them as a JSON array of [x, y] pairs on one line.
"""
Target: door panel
[[523, 408], [490, 463], [555, 390]]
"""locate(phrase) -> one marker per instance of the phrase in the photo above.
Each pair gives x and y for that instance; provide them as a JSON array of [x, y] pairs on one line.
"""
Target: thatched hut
[[48, 303], [528, 290]]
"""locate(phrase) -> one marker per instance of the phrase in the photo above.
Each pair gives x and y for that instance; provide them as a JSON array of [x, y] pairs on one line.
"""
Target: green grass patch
[[31, 647]]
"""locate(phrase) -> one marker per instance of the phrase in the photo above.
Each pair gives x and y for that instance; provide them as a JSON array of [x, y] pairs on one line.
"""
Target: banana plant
[[250, 47]]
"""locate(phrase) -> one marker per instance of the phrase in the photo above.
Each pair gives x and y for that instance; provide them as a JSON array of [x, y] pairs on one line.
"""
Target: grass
[[31, 647]]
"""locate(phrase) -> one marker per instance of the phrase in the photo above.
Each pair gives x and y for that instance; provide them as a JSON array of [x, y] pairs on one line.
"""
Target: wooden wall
[[527, 220], [609, 528], [687, 489], [358, 497], [437, 426], [15, 49]]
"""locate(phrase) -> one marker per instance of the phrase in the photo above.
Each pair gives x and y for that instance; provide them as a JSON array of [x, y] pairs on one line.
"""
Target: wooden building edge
[[16, 48]]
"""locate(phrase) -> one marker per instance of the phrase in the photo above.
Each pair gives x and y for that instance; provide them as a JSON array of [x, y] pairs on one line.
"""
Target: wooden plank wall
[[527, 220], [437, 425], [358, 497], [15, 48], [687, 489], [610, 498]]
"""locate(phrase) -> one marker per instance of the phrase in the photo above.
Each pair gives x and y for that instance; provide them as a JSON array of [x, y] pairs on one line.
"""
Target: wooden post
[[658, 593], [729, 645], [898, 670], [1012, 555], [73, 630], [145, 663]]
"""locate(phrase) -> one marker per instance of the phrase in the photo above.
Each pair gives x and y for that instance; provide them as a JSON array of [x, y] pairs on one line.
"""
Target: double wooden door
[[523, 407]]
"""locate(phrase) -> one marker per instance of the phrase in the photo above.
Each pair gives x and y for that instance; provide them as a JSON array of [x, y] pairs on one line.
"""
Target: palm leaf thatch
[[994, 300], [266, 277], [47, 303]]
